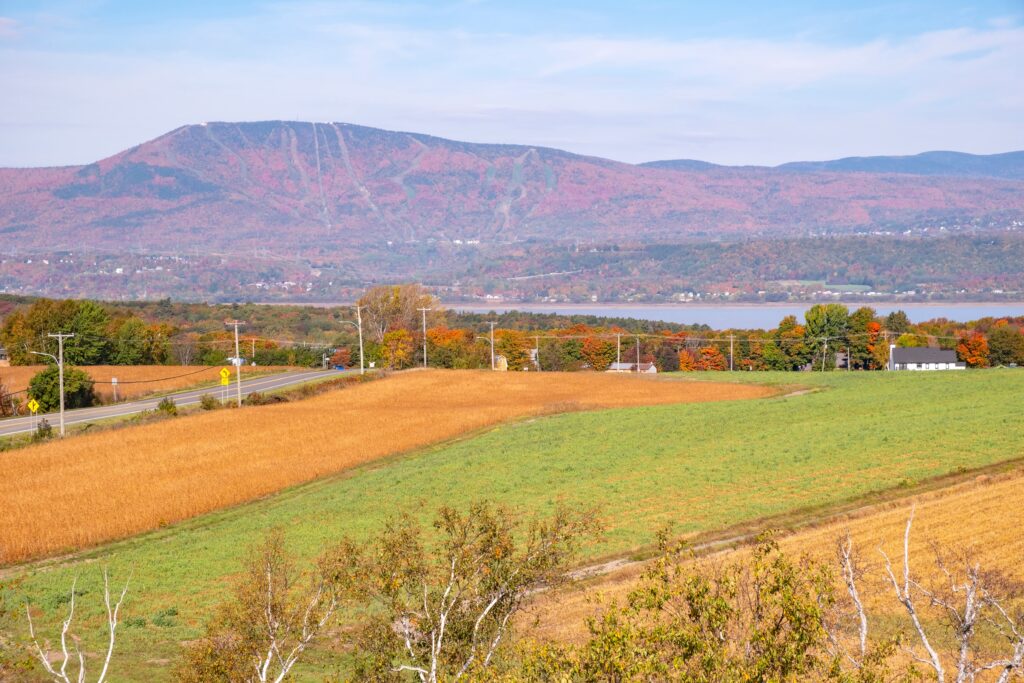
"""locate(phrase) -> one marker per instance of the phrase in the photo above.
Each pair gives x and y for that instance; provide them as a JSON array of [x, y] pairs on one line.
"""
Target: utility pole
[[362, 360], [238, 360], [60, 337], [849, 359], [424, 312], [824, 355], [492, 324], [536, 351], [638, 353], [731, 337], [618, 352]]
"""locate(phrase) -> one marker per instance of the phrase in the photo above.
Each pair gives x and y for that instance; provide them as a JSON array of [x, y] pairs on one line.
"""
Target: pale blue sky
[[728, 82]]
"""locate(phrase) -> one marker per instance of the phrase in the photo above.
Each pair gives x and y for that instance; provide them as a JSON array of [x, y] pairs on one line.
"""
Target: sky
[[727, 82]]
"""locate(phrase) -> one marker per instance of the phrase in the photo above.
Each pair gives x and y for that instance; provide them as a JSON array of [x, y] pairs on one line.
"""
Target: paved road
[[16, 425]]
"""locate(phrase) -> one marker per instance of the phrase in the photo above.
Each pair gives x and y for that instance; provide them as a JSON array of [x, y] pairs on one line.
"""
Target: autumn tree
[[561, 354], [275, 613], [972, 349], [27, 331], [394, 307], [396, 349], [515, 346], [453, 348], [341, 358], [790, 337], [711, 358], [687, 363], [1006, 345], [826, 325], [599, 354], [863, 333], [911, 341], [698, 621], [445, 609]]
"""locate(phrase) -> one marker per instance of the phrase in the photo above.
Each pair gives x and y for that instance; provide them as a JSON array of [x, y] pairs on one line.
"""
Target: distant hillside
[[683, 165], [282, 186], [1008, 165], [298, 209]]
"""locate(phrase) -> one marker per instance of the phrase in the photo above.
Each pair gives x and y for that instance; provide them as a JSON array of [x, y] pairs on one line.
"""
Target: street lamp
[[359, 327], [491, 340], [492, 324], [60, 372]]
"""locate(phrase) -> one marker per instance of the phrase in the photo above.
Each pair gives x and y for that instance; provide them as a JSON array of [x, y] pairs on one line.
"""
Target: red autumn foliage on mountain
[[280, 185]]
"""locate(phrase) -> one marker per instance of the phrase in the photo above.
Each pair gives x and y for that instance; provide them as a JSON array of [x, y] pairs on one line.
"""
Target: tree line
[[828, 332], [393, 325]]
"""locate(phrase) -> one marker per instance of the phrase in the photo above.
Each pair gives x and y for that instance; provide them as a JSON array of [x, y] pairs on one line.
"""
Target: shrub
[[258, 399], [78, 388], [209, 402], [167, 406], [44, 432]]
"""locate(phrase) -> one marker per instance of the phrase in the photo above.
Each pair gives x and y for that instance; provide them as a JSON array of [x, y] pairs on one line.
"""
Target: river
[[749, 316]]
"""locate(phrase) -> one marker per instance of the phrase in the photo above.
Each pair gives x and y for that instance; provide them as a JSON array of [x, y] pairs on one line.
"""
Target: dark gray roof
[[923, 355]]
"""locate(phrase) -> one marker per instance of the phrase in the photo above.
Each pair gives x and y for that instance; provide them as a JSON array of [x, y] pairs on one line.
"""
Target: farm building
[[923, 359], [645, 368]]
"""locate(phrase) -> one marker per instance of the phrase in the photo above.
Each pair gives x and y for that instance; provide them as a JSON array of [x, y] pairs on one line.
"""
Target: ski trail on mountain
[[363, 190], [399, 179], [293, 147], [320, 178], [503, 211]]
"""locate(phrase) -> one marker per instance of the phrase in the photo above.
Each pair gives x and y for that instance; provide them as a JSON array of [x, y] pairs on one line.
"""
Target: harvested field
[[982, 517], [133, 380], [94, 488]]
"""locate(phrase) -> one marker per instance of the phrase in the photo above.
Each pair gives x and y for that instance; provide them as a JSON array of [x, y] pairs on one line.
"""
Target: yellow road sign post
[[33, 405]]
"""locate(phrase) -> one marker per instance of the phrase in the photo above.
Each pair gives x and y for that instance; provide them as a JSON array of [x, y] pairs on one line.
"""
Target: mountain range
[[357, 201], [294, 185]]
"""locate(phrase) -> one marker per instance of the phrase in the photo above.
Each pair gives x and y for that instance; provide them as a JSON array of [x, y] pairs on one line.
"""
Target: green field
[[699, 466]]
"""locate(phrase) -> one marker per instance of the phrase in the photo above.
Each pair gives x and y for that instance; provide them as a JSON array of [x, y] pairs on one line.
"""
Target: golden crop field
[[133, 380], [983, 517], [62, 496]]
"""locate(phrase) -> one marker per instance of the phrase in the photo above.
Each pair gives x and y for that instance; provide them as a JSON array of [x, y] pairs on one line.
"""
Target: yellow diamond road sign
[[224, 373], [33, 405]]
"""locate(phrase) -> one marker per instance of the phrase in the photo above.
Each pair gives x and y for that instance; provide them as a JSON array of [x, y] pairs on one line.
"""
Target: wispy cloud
[[627, 96], [8, 28]]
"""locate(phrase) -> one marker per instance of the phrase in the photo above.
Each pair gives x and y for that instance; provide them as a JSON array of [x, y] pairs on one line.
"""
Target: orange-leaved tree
[[972, 349], [711, 358], [598, 353]]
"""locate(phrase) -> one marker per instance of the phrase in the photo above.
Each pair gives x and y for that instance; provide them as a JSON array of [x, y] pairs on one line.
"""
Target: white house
[[923, 358], [645, 368]]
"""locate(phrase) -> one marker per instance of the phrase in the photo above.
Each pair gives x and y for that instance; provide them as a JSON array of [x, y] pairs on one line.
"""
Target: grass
[[134, 380], [701, 466], [115, 484]]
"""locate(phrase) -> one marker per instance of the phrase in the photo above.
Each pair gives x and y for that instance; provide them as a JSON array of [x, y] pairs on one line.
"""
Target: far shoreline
[[624, 305]]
